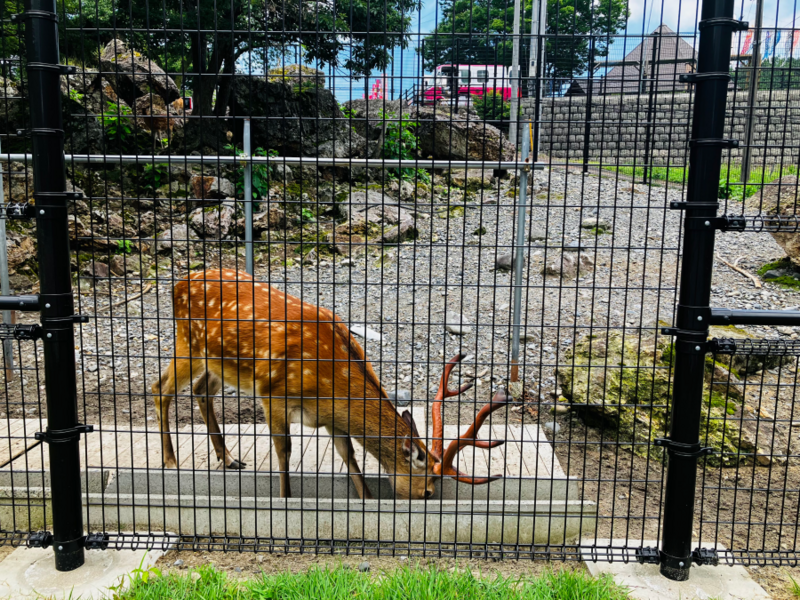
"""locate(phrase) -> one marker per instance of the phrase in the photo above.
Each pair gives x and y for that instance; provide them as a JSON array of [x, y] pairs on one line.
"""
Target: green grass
[[730, 176], [794, 587], [347, 584]]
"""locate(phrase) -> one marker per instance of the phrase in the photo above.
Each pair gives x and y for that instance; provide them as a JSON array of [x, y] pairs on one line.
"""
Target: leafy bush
[[491, 107], [261, 173], [118, 124], [400, 142], [155, 175]]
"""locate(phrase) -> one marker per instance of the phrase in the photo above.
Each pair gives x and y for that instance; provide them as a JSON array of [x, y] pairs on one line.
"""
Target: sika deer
[[306, 367]]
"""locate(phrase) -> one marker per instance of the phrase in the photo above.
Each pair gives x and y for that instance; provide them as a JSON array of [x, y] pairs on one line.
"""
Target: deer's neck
[[382, 432]]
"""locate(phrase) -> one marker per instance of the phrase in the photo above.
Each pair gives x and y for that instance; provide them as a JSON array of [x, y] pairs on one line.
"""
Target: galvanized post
[[248, 200], [56, 301], [693, 311], [5, 286], [519, 259]]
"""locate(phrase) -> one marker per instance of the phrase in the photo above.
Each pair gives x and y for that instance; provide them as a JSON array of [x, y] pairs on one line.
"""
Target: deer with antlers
[[305, 365]]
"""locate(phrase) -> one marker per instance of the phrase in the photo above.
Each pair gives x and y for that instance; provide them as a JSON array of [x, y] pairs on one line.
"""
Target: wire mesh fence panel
[[353, 283]]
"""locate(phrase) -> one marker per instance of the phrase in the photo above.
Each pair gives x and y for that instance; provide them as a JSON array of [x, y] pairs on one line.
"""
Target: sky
[[645, 16]]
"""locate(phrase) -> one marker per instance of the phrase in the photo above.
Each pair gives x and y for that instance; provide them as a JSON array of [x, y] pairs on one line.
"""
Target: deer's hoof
[[235, 464]]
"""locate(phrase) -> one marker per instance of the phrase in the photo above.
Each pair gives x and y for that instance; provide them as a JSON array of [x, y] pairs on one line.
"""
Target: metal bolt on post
[[56, 298]]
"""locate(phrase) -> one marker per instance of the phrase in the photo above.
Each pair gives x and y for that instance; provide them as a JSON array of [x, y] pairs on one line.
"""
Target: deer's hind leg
[[205, 388], [173, 379]]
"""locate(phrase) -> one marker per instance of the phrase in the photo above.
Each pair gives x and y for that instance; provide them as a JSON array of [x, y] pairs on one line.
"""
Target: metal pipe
[[28, 303], [683, 444], [727, 316], [55, 280], [752, 92], [248, 201], [301, 161], [514, 125], [5, 286], [519, 260]]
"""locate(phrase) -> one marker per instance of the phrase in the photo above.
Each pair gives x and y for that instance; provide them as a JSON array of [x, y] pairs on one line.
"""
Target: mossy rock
[[781, 272], [625, 386]]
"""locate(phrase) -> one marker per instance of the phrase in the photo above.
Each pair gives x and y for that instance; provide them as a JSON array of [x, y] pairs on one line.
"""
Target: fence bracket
[[648, 556], [57, 436], [682, 205], [723, 223], [698, 77], [718, 142], [40, 539], [60, 69], [683, 450], [38, 14], [96, 541], [705, 556], [20, 210], [10, 331], [734, 24]]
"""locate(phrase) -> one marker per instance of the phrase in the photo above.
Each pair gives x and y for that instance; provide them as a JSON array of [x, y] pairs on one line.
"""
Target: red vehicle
[[454, 81]]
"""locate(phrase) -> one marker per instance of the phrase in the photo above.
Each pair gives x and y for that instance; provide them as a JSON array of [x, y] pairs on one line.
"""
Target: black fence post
[[693, 313], [55, 299]]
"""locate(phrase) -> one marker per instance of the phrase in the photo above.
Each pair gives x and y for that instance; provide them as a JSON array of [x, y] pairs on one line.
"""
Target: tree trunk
[[204, 84], [226, 81]]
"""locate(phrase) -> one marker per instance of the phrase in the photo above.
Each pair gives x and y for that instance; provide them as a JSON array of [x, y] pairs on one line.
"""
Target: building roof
[[638, 71]]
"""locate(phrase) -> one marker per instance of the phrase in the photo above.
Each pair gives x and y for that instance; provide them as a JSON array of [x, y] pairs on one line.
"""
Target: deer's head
[[419, 466]]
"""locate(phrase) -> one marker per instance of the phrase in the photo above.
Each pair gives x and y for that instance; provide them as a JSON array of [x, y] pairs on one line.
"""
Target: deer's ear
[[409, 420], [413, 454]]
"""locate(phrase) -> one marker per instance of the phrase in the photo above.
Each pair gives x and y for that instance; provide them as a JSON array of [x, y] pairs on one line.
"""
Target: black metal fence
[[225, 198]]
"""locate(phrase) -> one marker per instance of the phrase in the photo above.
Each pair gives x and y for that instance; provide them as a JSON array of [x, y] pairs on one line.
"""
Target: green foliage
[[492, 22], [155, 175], [492, 107], [119, 127], [790, 277], [124, 247], [349, 584], [363, 35], [260, 173], [307, 216], [75, 96], [400, 142], [777, 73]]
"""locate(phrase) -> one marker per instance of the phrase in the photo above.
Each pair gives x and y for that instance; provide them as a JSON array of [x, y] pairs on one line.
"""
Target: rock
[[212, 188], [345, 244], [576, 246], [408, 191], [780, 198], [310, 258], [631, 399], [454, 323], [117, 265], [21, 253], [400, 397], [282, 173], [537, 235], [601, 225], [561, 408], [174, 239], [96, 269], [570, 265], [742, 365], [120, 265], [133, 75], [552, 426], [212, 222], [297, 75], [305, 119], [471, 180], [400, 233], [505, 262], [178, 563], [270, 220], [366, 333], [364, 567]]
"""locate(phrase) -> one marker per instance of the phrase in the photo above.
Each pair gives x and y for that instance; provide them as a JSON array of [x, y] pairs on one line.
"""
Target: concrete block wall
[[618, 127]]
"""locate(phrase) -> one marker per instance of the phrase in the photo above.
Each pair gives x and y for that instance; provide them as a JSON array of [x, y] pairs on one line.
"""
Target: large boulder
[[780, 199], [302, 119], [624, 385], [133, 75], [13, 115], [153, 114], [441, 133]]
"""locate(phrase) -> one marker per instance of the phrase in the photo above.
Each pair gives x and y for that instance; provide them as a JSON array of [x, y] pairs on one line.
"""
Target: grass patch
[[794, 587], [729, 177], [347, 584]]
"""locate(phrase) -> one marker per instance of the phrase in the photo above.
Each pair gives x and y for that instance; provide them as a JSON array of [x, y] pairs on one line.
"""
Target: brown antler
[[445, 464]]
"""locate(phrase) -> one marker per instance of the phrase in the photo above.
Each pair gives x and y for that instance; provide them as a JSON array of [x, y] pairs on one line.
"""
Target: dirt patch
[[247, 564], [777, 581]]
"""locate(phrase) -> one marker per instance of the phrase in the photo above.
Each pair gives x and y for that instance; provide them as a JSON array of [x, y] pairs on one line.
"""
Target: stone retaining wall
[[618, 130]]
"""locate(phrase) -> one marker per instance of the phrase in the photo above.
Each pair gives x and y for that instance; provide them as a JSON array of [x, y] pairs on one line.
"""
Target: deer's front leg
[[344, 446], [279, 430]]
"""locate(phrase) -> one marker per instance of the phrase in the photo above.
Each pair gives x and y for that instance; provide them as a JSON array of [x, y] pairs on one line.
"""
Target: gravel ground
[[404, 292]]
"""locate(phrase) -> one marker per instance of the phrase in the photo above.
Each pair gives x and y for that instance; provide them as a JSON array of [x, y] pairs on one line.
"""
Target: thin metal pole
[[512, 130], [5, 286], [587, 126], [519, 259], [752, 93], [693, 312], [248, 201], [538, 24]]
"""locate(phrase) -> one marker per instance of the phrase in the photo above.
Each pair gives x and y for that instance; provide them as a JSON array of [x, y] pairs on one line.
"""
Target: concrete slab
[[705, 583], [31, 573]]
